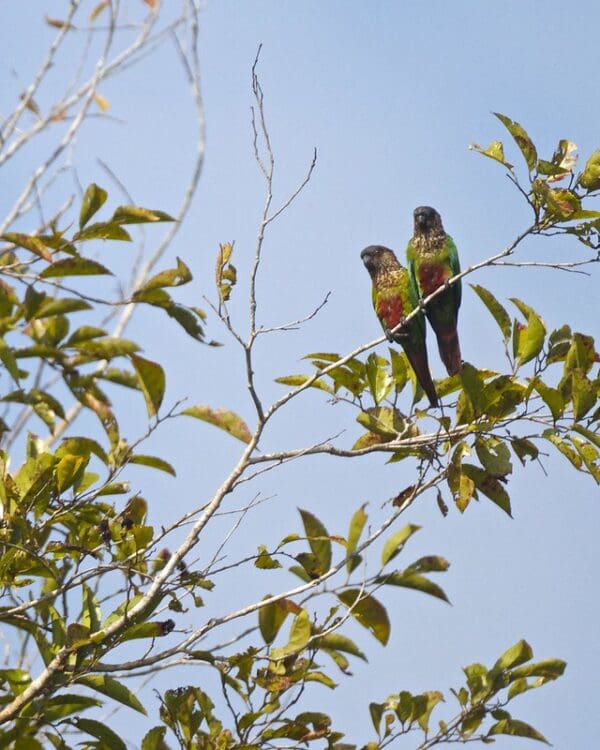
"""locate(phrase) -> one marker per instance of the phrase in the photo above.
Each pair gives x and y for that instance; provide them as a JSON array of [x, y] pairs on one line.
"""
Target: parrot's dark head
[[378, 258], [427, 220]]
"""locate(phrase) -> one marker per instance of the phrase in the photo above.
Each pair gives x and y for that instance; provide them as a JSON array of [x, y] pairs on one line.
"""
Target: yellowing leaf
[[565, 158], [226, 420], [34, 244], [225, 272], [521, 138], [139, 215], [590, 177], [152, 381], [102, 102], [56, 23], [494, 151], [98, 9]]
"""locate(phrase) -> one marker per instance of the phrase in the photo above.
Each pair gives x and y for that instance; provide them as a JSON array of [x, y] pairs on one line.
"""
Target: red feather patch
[[432, 276], [390, 311]]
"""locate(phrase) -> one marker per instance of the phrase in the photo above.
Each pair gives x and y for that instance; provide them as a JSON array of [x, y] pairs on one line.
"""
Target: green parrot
[[394, 297], [432, 260]]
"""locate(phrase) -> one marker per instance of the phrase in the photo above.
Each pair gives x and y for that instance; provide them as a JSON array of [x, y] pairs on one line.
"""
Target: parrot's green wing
[[413, 299], [455, 268], [410, 262]]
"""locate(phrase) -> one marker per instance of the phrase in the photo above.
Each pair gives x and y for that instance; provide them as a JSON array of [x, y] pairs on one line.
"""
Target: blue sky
[[391, 94]]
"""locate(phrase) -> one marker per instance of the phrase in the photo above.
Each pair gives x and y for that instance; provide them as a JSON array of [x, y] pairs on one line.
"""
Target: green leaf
[[423, 705], [474, 387], [300, 634], [562, 205], [548, 669], [60, 307], [494, 456], [75, 267], [584, 393], [404, 709], [154, 739], [581, 354], [121, 377], [101, 732], [106, 348], [523, 448], [339, 642], [270, 619], [376, 711], [516, 728], [102, 231], [478, 681], [189, 320], [410, 580], [522, 140], [590, 177], [472, 722], [494, 151], [551, 397], [85, 333], [396, 542], [58, 707], [378, 377], [369, 612], [497, 311], [384, 421], [93, 199], [35, 245], [171, 277], [357, 525], [152, 381], [428, 564], [512, 657], [81, 446], [264, 561], [517, 687], [564, 447], [318, 540], [153, 462], [156, 629], [527, 340], [589, 455], [113, 689], [225, 272], [222, 418], [138, 215], [91, 613], [68, 470], [489, 485], [400, 367], [296, 380]]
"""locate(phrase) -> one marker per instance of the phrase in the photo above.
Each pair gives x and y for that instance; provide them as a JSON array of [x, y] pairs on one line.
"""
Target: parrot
[[394, 297], [432, 260]]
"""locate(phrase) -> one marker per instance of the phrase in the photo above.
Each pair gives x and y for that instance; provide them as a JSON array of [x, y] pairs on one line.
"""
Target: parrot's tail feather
[[418, 361], [449, 347]]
